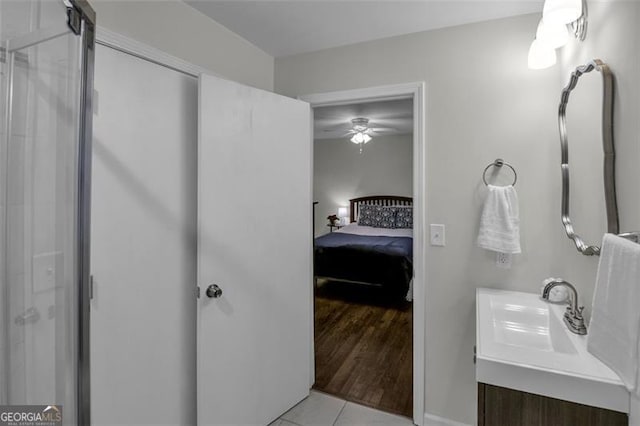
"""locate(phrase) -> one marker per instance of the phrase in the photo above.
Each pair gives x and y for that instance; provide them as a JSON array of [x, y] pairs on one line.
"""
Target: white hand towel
[[500, 221], [615, 318]]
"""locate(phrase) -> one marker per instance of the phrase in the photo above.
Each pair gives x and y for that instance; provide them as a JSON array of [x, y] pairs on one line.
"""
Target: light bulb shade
[[541, 56], [562, 11], [342, 212], [554, 35], [360, 138]]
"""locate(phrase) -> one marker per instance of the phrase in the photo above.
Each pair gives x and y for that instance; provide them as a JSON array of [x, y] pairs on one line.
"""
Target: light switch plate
[[437, 234]]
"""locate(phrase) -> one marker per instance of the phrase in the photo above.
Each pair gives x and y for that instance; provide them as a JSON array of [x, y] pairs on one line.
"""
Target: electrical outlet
[[503, 260], [437, 235]]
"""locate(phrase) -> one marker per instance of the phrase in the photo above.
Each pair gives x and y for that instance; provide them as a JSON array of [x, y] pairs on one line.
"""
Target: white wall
[[341, 172], [180, 30], [482, 103]]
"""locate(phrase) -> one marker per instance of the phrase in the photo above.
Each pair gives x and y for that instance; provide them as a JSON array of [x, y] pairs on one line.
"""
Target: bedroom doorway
[[368, 161]]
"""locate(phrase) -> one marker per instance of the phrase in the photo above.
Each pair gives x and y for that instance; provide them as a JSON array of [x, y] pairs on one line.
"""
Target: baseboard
[[431, 420]]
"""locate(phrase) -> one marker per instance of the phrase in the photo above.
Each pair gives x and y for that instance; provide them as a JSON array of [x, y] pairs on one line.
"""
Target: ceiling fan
[[361, 125], [360, 131]]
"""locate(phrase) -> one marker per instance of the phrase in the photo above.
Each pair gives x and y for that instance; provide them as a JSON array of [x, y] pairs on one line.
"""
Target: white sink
[[523, 344], [527, 326]]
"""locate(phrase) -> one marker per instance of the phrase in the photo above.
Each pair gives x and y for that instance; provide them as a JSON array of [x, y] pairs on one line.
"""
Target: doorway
[[415, 93], [293, 365]]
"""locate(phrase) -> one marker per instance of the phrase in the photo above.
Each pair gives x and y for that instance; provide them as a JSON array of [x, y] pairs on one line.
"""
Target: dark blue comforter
[[387, 261], [393, 246]]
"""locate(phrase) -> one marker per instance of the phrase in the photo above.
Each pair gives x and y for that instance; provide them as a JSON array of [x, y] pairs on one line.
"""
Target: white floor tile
[[354, 414], [318, 409]]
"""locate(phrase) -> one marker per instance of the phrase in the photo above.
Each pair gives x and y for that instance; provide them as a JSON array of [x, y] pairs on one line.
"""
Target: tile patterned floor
[[320, 409]]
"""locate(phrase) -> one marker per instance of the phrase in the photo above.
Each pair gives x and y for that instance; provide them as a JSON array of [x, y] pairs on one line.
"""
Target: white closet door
[[143, 243], [254, 243]]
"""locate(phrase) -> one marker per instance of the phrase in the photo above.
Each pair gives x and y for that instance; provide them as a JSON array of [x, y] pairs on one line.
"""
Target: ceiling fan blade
[[337, 133], [336, 128]]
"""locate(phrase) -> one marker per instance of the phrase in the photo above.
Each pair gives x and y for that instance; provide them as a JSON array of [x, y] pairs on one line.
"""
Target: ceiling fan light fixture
[[360, 124], [360, 138], [360, 130]]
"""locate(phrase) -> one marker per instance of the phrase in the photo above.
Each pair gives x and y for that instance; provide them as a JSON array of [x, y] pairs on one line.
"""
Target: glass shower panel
[[41, 74]]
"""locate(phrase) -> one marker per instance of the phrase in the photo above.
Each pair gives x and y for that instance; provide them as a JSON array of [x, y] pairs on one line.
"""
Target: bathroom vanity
[[498, 406], [532, 370]]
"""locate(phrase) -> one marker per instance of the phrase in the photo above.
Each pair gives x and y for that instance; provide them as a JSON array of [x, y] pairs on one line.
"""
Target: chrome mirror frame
[[608, 151]]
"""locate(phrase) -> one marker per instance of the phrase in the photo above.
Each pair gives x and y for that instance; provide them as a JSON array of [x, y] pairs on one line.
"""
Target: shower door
[[46, 69]]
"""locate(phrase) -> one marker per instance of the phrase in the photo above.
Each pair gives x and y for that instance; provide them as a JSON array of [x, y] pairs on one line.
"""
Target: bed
[[363, 252]]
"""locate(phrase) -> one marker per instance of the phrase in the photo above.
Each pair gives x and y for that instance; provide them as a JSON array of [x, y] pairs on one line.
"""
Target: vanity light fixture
[[553, 31], [562, 11], [541, 55], [554, 35], [568, 12]]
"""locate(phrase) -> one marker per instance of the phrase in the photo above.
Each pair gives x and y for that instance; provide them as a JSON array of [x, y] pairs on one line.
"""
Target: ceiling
[[288, 27], [385, 117]]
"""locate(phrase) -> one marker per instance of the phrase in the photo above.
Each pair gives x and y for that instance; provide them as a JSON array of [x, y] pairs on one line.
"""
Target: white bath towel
[[500, 220], [615, 318]]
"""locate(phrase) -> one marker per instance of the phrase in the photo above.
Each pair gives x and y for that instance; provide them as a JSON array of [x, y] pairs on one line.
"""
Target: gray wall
[[482, 103], [176, 28], [340, 172]]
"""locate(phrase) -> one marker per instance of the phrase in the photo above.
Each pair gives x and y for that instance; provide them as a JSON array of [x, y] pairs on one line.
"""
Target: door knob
[[214, 291]]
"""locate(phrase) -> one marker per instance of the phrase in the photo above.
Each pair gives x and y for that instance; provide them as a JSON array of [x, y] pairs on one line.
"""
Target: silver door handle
[[214, 291]]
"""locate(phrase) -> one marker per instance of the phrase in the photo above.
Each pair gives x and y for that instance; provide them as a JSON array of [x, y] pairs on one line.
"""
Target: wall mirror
[[585, 117]]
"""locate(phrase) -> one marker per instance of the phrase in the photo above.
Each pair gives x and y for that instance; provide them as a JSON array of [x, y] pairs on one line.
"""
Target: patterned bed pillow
[[376, 216], [404, 217]]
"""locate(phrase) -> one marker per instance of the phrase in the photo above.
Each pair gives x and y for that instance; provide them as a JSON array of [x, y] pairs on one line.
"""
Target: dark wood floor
[[363, 347]]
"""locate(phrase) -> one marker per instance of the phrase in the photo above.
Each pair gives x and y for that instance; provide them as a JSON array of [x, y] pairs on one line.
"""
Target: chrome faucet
[[573, 315]]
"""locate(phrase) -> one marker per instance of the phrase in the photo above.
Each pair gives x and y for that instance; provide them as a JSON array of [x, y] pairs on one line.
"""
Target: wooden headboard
[[377, 200]]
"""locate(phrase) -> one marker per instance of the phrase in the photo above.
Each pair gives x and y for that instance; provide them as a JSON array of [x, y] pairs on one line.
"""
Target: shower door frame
[[81, 21], [83, 385]]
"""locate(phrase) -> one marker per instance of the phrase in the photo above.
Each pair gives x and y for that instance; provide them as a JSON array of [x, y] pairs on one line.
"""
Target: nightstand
[[336, 226]]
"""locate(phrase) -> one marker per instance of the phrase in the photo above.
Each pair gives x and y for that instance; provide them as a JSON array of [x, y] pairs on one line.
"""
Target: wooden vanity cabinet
[[498, 406]]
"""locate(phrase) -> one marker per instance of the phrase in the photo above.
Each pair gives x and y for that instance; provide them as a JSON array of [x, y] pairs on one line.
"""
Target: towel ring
[[499, 163]]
